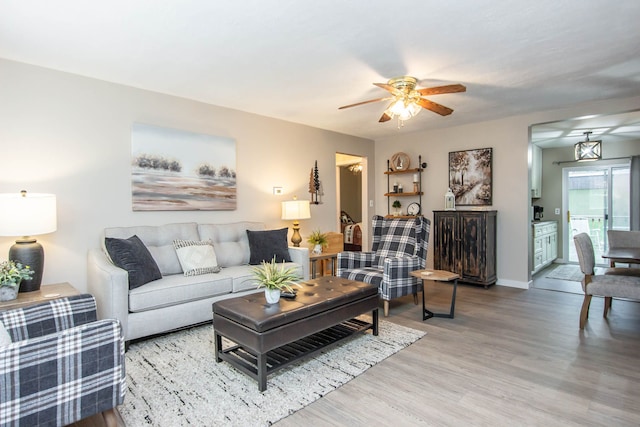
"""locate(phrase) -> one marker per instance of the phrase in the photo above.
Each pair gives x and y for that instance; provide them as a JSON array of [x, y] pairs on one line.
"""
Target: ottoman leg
[[374, 315], [218, 347], [262, 371]]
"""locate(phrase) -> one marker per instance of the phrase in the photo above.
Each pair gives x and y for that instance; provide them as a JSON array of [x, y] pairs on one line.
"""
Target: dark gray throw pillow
[[264, 245], [132, 255]]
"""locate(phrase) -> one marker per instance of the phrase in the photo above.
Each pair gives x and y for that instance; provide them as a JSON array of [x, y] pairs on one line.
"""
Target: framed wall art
[[175, 170], [470, 176]]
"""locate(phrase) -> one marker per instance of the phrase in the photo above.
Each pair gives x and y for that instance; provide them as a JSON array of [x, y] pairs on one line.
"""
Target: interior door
[[596, 199]]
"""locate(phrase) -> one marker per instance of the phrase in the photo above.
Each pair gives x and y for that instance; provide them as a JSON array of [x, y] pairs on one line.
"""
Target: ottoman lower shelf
[[280, 357]]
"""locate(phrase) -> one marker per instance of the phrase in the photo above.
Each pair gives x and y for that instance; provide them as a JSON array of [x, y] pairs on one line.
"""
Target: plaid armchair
[[61, 366], [399, 247]]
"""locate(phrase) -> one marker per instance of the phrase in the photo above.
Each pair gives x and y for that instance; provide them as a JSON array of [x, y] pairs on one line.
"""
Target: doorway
[[351, 183], [596, 199]]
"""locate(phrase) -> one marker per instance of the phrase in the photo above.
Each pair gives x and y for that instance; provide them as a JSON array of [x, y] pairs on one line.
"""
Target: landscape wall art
[[176, 170], [470, 176]]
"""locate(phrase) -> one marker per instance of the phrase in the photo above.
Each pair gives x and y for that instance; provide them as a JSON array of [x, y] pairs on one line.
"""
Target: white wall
[[71, 136], [509, 138]]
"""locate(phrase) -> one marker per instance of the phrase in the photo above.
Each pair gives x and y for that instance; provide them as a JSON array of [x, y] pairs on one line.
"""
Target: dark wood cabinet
[[464, 242]]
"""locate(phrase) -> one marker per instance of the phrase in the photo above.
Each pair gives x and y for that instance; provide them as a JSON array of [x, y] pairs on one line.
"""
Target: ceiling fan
[[407, 101]]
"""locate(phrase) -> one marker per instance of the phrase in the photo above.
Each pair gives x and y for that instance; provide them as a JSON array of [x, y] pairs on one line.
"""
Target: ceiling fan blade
[[432, 106], [362, 103], [442, 89], [384, 118]]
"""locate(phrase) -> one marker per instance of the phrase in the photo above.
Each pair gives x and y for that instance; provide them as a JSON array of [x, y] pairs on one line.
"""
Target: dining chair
[[622, 239], [606, 285]]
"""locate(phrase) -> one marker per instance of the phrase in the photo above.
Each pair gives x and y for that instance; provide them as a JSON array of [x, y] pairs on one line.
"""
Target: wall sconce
[[28, 215], [294, 210], [588, 150]]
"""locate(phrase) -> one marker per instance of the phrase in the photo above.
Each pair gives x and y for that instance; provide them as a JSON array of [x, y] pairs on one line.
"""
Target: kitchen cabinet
[[464, 242], [545, 244]]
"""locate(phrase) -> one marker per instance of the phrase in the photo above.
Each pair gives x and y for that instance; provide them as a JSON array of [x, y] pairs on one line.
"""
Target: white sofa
[[176, 300]]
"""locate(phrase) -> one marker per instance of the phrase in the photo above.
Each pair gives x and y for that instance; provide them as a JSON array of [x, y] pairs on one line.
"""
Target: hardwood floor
[[510, 357]]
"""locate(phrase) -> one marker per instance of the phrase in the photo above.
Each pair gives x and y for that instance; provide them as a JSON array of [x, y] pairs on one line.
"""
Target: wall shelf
[[402, 174]]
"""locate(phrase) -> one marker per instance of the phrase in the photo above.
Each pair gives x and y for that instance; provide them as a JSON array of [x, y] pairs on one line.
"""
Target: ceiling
[[299, 61]]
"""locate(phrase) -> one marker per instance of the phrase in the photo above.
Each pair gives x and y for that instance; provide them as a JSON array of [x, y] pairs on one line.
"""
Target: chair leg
[[110, 418], [584, 313], [415, 298], [607, 305], [386, 308]]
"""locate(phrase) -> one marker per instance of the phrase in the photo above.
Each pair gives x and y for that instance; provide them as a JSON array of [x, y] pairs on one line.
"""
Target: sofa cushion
[[196, 257], [132, 255], [177, 289], [159, 241], [230, 241], [265, 245]]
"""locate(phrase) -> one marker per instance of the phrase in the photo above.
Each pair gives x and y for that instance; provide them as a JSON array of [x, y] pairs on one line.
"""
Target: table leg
[[313, 268], [262, 371], [426, 314], [218, 347]]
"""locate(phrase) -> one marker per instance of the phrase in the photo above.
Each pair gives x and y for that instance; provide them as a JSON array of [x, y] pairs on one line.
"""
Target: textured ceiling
[[299, 61]]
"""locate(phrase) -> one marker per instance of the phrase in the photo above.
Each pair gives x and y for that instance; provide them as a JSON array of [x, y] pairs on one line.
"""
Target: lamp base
[[29, 252], [296, 238]]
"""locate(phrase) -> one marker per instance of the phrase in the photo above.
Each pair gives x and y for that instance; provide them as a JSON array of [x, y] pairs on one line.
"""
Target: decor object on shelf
[[470, 176], [400, 162], [275, 278], [295, 210], [407, 101], [11, 275], [449, 200], [413, 209], [396, 205], [319, 240], [315, 185], [406, 176], [28, 214], [588, 150]]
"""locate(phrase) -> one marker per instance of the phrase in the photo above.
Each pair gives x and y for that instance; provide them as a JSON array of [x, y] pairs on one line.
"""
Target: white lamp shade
[[30, 214], [296, 209]]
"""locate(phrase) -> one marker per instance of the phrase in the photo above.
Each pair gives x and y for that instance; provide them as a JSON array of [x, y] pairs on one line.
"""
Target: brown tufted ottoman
[[270, 337]]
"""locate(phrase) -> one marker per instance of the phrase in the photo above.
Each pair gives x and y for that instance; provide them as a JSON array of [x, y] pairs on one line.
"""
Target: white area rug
[[174, 380], [569, 272]]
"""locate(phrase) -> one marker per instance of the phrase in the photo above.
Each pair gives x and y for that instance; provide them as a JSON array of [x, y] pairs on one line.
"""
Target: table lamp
[[296, 210], [27, 215]]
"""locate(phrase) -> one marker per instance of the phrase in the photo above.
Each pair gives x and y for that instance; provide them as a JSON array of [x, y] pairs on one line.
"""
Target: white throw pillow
[[196, 257], [5, 338]]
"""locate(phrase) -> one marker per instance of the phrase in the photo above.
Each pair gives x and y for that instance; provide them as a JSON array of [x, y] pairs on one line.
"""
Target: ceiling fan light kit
[[407, 101]]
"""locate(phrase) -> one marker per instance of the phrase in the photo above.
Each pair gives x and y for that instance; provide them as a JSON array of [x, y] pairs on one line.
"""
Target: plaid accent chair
[[61, 365], [399, 247]]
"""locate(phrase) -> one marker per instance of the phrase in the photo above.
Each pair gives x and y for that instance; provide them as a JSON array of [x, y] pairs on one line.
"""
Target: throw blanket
[[353, 234]]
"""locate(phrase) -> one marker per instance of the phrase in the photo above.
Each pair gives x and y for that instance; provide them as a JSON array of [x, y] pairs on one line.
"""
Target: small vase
[[317, 249], [8, 293], [272, 295]]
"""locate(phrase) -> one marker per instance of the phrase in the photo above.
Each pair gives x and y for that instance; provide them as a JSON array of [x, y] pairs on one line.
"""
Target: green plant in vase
[[11, 275], [396, 205], [274, 278], [319, 240]]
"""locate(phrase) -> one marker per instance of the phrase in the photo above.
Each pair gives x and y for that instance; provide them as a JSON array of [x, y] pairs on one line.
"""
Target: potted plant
[[319, 240], [11, 275], [396, 205], [275, 278]]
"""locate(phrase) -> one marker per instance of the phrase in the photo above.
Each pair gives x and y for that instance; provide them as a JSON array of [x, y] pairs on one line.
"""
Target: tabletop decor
[[274, 278], [11, 275], [319, 240]]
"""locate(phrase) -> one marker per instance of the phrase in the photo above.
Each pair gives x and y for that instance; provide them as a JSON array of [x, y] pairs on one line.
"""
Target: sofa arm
[[110, 287], [300, 256], [60, 378], [49, 317]]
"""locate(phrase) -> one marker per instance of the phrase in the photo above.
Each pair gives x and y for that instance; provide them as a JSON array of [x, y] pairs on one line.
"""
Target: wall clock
[[413, 209]]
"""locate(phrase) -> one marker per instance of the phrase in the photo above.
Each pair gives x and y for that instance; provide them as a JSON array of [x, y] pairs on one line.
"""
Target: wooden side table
[[314, 258], [437, 276], [45, 293]]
